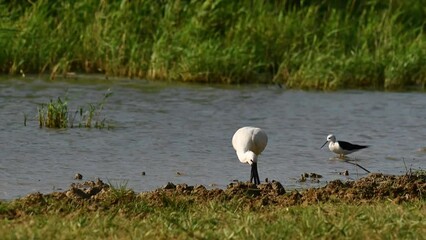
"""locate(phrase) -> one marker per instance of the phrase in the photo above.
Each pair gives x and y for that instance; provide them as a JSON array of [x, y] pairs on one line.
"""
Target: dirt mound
[[77, 191], [374, 187]]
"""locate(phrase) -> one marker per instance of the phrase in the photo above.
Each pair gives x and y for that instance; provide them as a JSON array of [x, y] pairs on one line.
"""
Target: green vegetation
[[55, 114], [378, 44], [375, 207], [131, 216]]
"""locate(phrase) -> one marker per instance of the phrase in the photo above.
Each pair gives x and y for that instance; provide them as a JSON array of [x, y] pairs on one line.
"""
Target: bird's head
[[250, 157], [330, 138]]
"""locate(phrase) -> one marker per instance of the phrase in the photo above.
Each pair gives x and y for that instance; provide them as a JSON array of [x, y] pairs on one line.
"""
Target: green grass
[[53, 114], [375, 44], [132, 217], [56, 114]]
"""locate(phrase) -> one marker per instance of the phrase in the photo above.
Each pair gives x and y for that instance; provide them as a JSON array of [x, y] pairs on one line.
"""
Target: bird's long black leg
[[356, 164], [252, 174], [255, 174]]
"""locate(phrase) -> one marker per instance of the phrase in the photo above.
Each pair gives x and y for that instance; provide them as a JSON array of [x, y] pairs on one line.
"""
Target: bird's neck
[[247, 157]]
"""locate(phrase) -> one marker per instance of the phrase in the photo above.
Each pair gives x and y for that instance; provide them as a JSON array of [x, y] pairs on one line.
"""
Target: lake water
[[165, 129]]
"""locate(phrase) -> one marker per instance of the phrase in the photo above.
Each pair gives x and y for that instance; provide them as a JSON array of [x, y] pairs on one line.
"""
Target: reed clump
[[375, 44], [56, 114], [53, 114]]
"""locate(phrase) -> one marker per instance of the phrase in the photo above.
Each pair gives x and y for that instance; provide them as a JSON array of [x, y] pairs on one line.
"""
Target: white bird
[[248, 143], [341, 147]]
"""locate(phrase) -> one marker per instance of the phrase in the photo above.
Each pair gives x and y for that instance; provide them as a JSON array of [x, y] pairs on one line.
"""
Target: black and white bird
[[248, 143], [341, 147]]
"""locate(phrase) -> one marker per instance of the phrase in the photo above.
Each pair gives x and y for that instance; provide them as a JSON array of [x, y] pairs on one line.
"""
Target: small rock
[[184, 188], [315, 175], [76, 193], [278, 187], [78, 176], [169, 185], [200, 188], [93, 191], [143, 173]]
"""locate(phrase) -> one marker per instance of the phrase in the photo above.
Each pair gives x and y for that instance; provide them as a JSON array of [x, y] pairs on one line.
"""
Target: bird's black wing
[[350, 146]]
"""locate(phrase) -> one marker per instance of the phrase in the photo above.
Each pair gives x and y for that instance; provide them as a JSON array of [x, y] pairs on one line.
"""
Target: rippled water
[[163, 129]]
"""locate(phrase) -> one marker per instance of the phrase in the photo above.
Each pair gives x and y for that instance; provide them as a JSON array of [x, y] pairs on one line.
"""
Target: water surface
[[165, 129]]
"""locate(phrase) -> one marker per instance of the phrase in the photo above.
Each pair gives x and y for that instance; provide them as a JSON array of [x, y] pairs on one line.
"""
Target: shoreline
[[373, 187], [375, 207]]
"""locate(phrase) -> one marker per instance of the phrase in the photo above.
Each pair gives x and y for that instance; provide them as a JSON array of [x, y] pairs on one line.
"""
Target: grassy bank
[[221, 220], [375, 207], [303, 44]]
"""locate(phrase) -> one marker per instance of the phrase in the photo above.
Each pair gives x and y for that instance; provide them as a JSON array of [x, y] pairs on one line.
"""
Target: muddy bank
[[374, 187], [97, 196]]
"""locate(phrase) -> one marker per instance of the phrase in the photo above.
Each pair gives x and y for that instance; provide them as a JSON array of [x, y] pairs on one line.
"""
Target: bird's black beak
[[254, 174], [324, 144]]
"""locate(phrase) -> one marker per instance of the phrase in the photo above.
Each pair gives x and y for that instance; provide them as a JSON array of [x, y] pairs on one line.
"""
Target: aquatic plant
[[92, 116], [56, 114], [25, 119], [53, 114]]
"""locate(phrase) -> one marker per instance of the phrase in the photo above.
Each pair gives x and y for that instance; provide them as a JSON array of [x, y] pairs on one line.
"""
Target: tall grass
[[376, 44]]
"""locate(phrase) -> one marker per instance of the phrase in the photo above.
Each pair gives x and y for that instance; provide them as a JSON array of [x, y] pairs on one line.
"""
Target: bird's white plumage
[[249, 142], [335, 147]]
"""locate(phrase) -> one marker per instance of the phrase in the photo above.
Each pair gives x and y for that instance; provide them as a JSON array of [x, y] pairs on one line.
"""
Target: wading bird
[[248, 143], [341, 147]]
